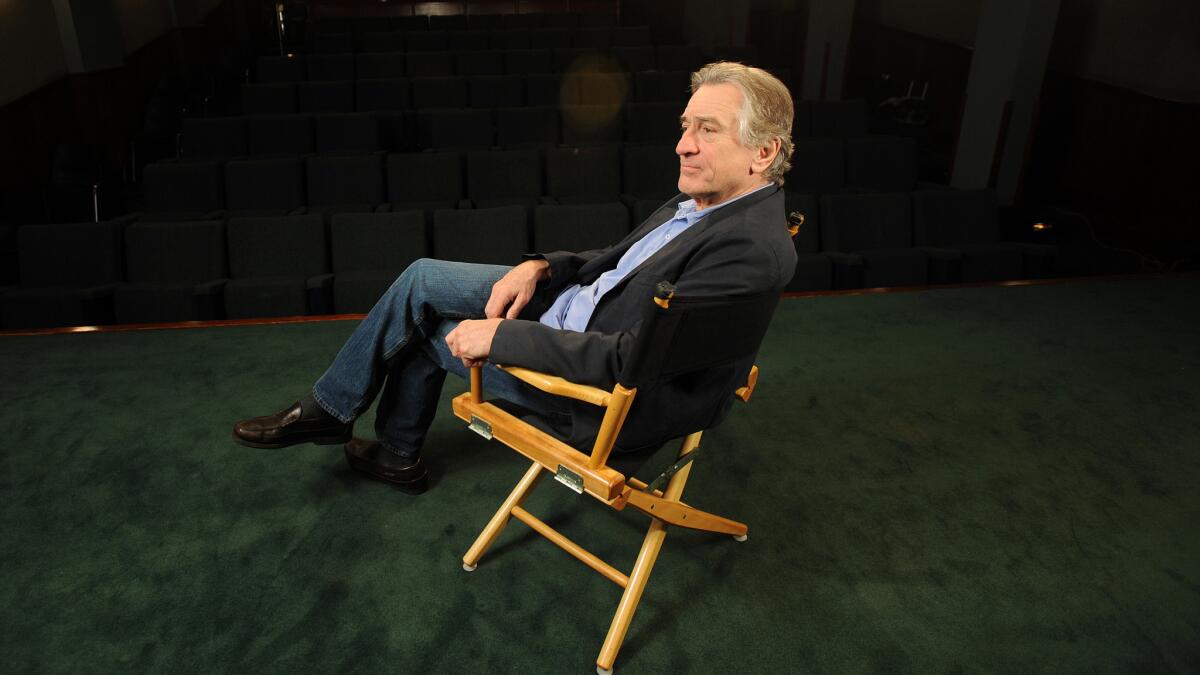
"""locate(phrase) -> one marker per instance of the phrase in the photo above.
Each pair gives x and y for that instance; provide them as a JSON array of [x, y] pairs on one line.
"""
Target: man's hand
[[513, 291], [471, 340]]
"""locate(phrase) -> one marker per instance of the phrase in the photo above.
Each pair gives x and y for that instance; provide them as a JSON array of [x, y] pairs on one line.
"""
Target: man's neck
[[709, 201]]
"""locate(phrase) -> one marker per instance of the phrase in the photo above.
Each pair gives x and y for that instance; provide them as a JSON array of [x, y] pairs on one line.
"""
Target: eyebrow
[[701, 119]]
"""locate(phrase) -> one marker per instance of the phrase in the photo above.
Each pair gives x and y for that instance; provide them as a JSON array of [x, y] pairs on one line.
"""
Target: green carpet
[[983, 480]]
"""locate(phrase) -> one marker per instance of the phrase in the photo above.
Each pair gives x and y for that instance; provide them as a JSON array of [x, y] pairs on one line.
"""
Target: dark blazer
[[740, 249]]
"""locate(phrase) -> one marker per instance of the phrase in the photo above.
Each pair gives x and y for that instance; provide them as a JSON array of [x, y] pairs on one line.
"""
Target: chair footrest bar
[[585, 556]]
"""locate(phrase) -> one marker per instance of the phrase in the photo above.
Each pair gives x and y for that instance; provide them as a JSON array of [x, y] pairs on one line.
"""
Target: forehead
[[717, 101]]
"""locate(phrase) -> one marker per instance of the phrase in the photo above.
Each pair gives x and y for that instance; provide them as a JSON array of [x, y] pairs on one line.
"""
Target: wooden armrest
[[751, 381], [552, 384]]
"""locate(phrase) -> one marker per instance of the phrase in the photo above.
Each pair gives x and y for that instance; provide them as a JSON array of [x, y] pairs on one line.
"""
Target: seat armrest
[[320, 294], [210, 287], [847, 269], [945, 264], [552, 384]]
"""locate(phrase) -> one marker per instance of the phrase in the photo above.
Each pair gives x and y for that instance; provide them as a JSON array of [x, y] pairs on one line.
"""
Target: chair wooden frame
[[590, 473]]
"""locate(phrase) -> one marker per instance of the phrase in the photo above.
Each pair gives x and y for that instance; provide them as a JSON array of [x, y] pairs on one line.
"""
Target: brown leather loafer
[[290, 427], [376, 461]]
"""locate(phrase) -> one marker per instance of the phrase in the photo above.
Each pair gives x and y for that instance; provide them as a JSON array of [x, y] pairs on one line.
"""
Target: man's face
[[713, 164]]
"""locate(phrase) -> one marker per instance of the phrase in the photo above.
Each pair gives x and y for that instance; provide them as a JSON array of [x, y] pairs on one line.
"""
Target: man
[[570, 314]]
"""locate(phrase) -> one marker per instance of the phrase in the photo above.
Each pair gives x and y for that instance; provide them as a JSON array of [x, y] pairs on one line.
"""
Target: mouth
[[684, 168]]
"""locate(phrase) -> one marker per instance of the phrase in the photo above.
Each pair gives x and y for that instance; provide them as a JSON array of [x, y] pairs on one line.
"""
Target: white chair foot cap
[[469, 568], [741, 537], [602, 671]]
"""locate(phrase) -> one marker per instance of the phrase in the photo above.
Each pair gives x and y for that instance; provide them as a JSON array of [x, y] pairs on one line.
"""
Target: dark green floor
[[983, 480]]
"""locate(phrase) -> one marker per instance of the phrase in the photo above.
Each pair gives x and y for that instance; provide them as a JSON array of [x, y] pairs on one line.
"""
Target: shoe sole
[[322, 440]]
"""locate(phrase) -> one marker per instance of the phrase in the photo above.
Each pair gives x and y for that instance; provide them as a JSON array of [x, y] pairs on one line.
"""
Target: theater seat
[[68, 273], [495, 236], [369, 250], [176, 272], [278, 267]]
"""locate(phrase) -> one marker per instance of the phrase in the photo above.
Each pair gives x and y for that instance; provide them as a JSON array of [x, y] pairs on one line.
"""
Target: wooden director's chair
[[677, 336]]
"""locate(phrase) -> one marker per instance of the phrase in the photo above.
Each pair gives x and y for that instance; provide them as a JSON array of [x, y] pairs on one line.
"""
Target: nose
[[687, 143]]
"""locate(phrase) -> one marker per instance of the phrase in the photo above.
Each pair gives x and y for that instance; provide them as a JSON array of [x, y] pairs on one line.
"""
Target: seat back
[[491, 236], [376, 241], [586, 175], [859, 222], [184, 187], [424, 178], [178, 252], [681, 335], [280, 134], [264, 184], [291, 246], [344, 179], [69, 254], [954, 217]]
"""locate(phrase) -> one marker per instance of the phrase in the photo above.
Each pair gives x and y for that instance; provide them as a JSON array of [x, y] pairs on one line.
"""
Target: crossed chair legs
[[664, 508]]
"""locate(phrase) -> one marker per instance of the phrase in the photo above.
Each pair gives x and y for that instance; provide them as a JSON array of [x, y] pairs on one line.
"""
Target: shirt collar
[[688, 210]]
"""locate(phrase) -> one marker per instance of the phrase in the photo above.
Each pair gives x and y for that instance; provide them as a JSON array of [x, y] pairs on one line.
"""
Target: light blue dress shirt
[[573, 308]]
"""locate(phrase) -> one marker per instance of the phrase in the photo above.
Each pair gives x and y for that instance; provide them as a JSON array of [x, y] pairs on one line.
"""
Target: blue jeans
[[400, 347]]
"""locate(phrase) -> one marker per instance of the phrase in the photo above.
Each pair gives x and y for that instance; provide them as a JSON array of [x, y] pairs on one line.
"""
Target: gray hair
[[766, 112]]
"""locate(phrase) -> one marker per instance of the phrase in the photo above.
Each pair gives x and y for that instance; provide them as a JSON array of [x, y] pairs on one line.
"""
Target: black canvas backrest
[[692, 334], [69, 254], [184, 252], [286, 246]]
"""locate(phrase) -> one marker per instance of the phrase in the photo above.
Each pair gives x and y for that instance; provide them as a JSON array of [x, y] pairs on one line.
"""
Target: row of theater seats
[[253, 266], [244, 267], [931, 236], [812, 118], [483, 91], [366, 65], [367, 24], [585, 174], [342, 42]]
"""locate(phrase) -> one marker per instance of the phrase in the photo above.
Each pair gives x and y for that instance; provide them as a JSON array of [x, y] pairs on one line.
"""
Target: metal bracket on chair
[[569, 478], [480, 427], [659, 483]]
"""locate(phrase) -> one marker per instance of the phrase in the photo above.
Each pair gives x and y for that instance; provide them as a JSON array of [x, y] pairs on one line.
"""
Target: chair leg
[[651, 545], [498, 521], [632, 595]]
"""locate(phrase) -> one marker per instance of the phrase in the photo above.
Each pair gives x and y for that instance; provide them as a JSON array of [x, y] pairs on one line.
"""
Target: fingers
[[517, 305]]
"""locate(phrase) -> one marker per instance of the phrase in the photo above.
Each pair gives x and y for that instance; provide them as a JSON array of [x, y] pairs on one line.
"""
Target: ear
[[764, 155]]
